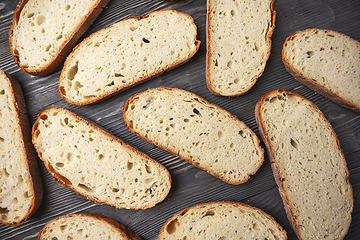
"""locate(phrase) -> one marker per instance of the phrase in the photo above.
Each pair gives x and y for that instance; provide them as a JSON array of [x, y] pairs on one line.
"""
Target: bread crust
[[102, 97], [63, 180], [62, 52], [209, 44], [237, 204], [28, 150], [127, 233], [256, 139], [310, 83], [274, 161]]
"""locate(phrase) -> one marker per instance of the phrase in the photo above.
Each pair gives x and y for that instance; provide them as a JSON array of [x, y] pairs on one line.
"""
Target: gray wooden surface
[[191, 186]]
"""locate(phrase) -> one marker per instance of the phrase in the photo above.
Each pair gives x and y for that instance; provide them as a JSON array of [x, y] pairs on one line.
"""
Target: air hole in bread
[[149, 182], [84, 187], [73, 71], [242, 133], [30, 15], [77, 85], [115, 190], [256, 227], [148, 169], [43, 117], [117, 75], [89, 97], [171, 227], [133, 28], [145, 40], [59, 164], [63, 227], [129, 165], [230, 64], [293, 143], [309, 54], [26, 194], [196, 111], [110, 84], [2, 92], [322, 49], [2, 140], [40, 19], [47, 48], [330, 35], [101, 156], [67, 7], [208, 214]]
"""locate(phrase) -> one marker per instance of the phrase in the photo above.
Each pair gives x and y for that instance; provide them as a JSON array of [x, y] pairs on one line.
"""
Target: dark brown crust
[[130, 85], [310, 83], [274, 162], [61, 179], [65, 48], [208, 46], [127, 233], [29, 151], [237, 204], [255, 138]]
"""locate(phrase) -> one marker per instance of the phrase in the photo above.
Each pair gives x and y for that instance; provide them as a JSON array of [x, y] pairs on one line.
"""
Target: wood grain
[[190, 186]]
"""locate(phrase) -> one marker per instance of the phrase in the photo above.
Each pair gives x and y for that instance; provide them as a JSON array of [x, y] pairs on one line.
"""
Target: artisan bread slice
[[127, 53], [44, 32], [238, 44], [85, 225], [308, 165], [95, 164], [327, 62], [203, 134], [21, 188], [222, 220]]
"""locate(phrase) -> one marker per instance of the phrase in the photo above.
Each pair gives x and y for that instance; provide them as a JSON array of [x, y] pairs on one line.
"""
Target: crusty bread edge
[[310, 83], [208, 54], [274, 162], [129, 85], [127, 233], [64, 49], [28, 153], [61, 179], [215, 204], [253, 135]]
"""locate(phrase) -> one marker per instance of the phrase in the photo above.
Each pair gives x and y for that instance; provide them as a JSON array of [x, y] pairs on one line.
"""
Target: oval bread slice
[[203, 134], [238, 44], [127, 53], [95, 164], [21, 189], [308, 164], [85, 225], [44, 32], [222, 220], [327, 62]]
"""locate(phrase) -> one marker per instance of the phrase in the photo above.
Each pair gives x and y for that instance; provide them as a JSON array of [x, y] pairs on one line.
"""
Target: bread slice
[[95, 164], [308, 165], [21, 189], [327, 62], [203, 134], [238, 44], [127, 53], [222, 220], [86, 225], [44, 32]]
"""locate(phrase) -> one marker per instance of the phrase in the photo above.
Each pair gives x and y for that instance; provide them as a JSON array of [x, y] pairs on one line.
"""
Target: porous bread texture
[[21, 188], [203, 134], [222, 220], [238, 44], [327, 62], [44, 32], [85, 225], [95, 164], [308, 165], [127, 53]]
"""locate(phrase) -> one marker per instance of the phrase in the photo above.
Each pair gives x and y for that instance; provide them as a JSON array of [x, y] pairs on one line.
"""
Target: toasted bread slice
[[203, 134], [127, 53], [21, 189], [97, 165], [44, 32], [308, 165]]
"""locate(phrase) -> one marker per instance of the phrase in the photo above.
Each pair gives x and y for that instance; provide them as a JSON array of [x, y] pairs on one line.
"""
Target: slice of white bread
[[327, 62], [203, 134], [222, 220], [44, 32], [127, 53], [21, 189], [238, 44], [308, 165], [97, 165], [85, 226]]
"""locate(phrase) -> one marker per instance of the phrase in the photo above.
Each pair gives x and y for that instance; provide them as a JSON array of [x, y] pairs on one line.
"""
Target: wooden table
[[191, 185]]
